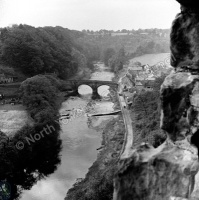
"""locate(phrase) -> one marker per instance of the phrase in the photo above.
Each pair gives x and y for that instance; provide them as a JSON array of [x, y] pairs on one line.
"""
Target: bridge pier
[[75, 91], [95, 94]]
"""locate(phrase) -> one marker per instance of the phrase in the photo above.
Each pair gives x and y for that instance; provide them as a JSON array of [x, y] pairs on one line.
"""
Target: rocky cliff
[[170, 172]]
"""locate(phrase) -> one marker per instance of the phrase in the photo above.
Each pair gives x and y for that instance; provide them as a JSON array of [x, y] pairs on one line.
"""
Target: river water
[[81, 136]]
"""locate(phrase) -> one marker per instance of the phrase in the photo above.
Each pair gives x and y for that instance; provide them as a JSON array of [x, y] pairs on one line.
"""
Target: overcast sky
[[90, 14]]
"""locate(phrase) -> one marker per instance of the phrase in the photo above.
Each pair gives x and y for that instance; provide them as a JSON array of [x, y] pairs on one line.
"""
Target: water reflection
[[21, 169]]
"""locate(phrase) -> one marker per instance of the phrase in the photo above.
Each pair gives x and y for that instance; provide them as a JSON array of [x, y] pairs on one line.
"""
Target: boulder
[[180, 105], [184, 42]]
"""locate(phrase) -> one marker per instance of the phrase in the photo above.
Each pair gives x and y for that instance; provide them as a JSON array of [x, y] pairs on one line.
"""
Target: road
[[128, 139]]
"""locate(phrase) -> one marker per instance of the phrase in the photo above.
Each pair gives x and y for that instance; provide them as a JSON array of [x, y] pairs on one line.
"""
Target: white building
[[6, 79]]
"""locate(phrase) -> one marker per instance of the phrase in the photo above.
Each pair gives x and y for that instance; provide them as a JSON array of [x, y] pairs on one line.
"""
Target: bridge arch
[[103, 90], [84, 89]]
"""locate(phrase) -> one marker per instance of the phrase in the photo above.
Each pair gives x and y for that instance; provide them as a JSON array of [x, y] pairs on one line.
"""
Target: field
[[13, 117], [152, 59]]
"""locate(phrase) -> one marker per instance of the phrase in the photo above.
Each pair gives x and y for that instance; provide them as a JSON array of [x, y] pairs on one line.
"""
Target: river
[[80, 138]]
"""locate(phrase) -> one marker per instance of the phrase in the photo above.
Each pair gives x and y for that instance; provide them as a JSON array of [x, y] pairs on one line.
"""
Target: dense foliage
[[31, 51], [115, 60], [151, 47], [135, 42], [38, 158], [44, 50], [108, 54], [146, 113]]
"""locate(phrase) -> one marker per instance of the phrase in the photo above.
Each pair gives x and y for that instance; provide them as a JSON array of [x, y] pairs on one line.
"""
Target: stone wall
[[170, 172]]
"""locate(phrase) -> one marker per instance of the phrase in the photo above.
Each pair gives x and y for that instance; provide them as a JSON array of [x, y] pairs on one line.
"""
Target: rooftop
[[139, 84], [136, 69]]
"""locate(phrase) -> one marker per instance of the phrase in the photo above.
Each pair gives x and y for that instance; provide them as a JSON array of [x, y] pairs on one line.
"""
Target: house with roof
[[7, 79], [119, 34], [137, 69], [144, 83], [152, 79], [148, 86], [139, 85], [127, 82]]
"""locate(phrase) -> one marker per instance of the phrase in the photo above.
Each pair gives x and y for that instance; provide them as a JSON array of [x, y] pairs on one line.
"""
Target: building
[[136, 70], [139, 85], [126, 82], [144, 34], [139, 79], [7, 79], [118, 34], [152, 79]]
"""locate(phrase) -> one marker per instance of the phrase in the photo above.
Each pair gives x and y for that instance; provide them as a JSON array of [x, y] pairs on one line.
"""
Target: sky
[[90, 14]]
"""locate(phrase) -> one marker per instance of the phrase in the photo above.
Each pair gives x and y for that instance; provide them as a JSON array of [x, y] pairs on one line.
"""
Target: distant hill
[[135, 42]]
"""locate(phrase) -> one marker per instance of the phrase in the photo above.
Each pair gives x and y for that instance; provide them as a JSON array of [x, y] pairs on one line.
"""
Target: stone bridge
[[94, 84]]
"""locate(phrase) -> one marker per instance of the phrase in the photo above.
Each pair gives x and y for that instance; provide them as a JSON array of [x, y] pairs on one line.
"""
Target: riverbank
[[98, 183]]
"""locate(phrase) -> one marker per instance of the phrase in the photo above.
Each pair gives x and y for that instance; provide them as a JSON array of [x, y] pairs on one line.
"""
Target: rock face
[[180, 105], [156, 174], [170, 172], [188, 3], [184, 39]]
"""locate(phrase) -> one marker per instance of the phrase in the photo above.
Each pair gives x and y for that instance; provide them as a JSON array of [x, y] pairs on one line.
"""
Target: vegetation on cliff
[[146, 116]]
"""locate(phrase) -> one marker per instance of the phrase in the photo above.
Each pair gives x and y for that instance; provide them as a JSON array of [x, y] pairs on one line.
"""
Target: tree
[[118, 60], [23, 168], [35, 51], [108, 53]]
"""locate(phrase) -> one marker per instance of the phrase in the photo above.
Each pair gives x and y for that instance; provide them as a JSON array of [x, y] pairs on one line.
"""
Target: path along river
[[81, 136]]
